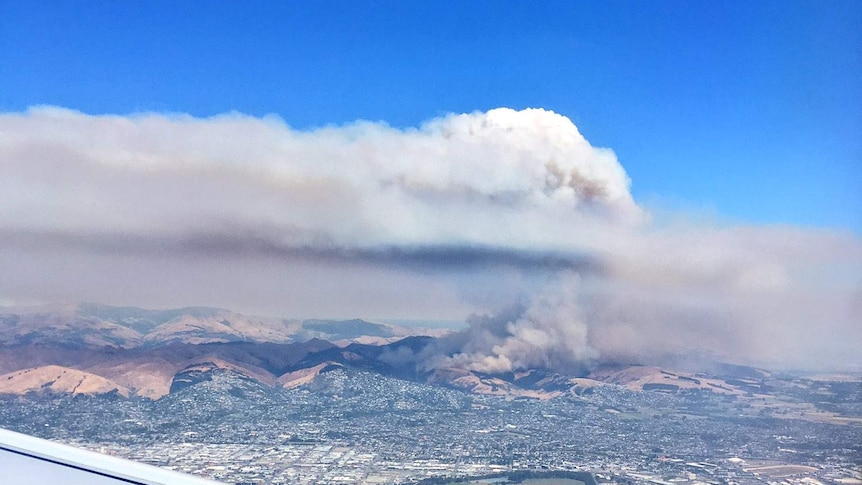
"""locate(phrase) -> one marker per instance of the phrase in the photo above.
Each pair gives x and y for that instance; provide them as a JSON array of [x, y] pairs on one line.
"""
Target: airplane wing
[[26, 460]]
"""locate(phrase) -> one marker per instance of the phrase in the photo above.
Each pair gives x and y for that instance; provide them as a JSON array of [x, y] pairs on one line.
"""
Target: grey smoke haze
[[508, 215], [547, 332]]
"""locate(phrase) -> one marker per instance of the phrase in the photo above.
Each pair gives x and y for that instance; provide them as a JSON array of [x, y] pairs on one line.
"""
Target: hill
[[153, 353], [58, 380]]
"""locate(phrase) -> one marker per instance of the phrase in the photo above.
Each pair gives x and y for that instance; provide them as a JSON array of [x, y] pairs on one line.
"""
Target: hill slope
[[60, 380]]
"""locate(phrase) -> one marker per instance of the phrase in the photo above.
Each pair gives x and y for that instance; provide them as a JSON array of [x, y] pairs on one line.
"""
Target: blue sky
[[747, 110]]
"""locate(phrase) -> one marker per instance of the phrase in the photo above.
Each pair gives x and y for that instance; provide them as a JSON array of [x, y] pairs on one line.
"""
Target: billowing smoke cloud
[[763, 296], [366, 184], [467, 213], [547, 333]]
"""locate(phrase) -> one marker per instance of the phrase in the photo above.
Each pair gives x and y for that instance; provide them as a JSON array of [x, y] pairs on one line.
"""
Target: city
[[352, 426]]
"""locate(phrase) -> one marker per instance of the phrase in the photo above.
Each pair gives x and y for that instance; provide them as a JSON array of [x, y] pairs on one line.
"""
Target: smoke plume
[[512, 216], [546, 333]]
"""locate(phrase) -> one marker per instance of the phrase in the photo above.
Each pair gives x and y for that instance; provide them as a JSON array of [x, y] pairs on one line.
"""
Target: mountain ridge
[[91, 325], [185, 347]]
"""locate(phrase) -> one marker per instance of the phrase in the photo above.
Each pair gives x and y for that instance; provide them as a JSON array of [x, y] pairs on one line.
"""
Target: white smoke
[[358, 185], [462, 214], [549, 333]]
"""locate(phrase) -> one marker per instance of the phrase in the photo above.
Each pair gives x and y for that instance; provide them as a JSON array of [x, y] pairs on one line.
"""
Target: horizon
[[690, 361], [453, 325]]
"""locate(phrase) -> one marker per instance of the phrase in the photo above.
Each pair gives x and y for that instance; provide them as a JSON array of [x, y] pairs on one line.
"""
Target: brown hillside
[[57, 379]]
